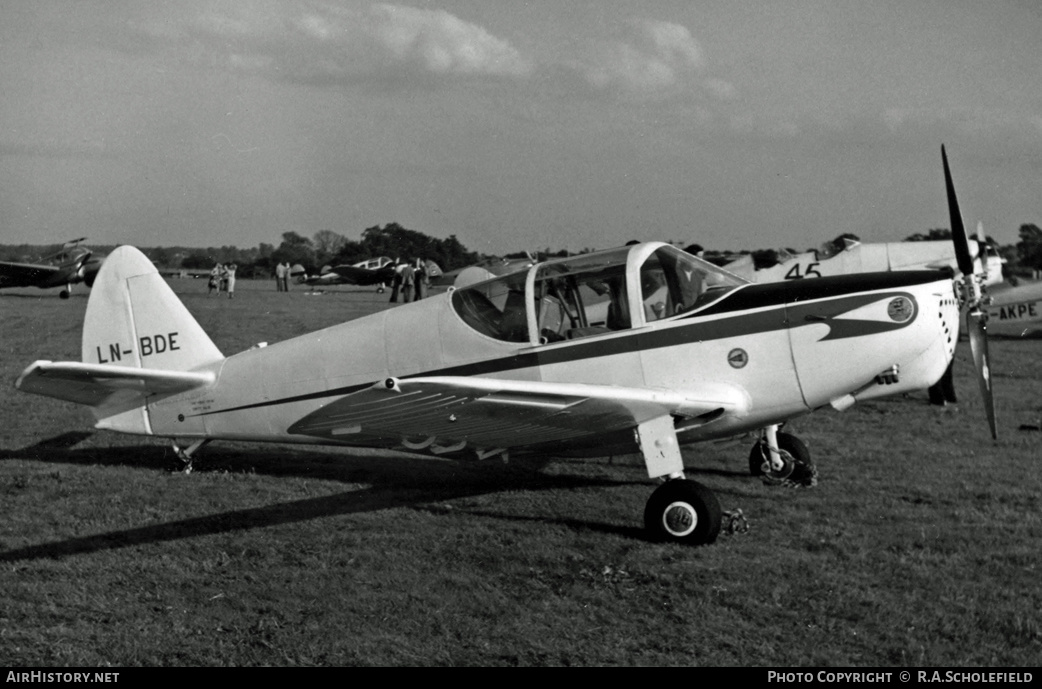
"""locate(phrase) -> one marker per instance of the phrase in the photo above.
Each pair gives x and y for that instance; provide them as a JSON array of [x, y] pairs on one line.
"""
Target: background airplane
[[844, 256], [71, 264], [375, 271], [490, 267], [1015, 310]]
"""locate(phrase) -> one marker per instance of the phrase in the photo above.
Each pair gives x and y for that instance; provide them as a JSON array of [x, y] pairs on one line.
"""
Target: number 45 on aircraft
[[642, 348]]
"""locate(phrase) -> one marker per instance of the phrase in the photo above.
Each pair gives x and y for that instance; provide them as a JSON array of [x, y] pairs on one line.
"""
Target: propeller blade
[[962, 242], [978, 332]]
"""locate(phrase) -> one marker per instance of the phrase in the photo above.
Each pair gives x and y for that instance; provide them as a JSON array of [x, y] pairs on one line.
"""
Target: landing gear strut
[[679, 511], [184, 454], [789, 463]]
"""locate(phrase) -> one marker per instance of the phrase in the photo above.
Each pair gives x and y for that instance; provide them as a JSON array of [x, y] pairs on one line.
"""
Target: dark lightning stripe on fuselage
[[843, 295]]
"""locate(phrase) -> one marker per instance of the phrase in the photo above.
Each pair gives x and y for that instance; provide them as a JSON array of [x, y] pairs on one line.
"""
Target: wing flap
[[94, 384], [488, 412]]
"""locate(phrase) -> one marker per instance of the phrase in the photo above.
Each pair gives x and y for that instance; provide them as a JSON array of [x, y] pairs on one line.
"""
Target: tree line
[[327, 247]]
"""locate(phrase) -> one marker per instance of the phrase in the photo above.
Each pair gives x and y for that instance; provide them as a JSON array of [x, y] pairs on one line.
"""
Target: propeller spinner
[[973, 299]]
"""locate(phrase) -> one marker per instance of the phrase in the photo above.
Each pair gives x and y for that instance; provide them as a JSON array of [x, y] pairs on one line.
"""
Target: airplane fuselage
[[790, 347]]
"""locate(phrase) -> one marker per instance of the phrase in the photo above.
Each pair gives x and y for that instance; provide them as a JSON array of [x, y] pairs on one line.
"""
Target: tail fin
[[134, 319], [140, 343]]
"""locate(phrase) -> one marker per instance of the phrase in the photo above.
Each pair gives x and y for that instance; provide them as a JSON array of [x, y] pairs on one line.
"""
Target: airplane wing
[[94, 384], [494, 413], [24, 274]]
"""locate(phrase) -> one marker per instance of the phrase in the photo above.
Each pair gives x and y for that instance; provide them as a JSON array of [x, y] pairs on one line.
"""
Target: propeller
[[973, 299]]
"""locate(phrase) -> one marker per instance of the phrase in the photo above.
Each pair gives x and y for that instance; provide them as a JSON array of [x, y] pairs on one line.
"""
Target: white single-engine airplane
[[71, 264], [846, 256], [642, 348], [1015, 310]]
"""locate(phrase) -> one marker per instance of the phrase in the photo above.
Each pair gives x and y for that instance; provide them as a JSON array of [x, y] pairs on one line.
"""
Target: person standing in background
[[408, 282], [423, 279], [215, 279], [280, 277], [229, 277], [396, 283]]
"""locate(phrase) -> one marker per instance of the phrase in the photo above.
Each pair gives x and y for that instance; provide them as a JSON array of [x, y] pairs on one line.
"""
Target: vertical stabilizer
[[134, 319]]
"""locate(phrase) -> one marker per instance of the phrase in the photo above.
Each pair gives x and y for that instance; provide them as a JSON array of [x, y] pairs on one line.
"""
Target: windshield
[[582, 296], [495, 308], [674, 282]]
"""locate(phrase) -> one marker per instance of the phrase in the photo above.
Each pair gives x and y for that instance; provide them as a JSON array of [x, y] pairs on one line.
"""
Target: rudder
[[134, 319]]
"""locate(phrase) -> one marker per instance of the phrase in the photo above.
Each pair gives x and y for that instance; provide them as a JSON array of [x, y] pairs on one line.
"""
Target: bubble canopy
[[592, 295]]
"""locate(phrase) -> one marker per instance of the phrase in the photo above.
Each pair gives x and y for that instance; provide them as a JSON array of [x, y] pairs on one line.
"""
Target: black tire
[[682, 511], [798, 465]]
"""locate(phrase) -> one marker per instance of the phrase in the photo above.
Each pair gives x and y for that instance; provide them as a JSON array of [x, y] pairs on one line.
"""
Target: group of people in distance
[[411, 281], [222, 279]]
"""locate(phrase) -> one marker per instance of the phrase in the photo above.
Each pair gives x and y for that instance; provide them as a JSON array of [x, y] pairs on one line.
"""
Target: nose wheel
[[793, 464]]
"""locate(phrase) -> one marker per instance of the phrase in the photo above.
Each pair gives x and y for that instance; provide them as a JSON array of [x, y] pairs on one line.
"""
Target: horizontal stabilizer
[[94, 384]]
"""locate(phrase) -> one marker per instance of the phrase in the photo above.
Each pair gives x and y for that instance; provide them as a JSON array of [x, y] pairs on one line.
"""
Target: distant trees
[[1029, 248], [394, 241], [327, 247], [328, 244], [294, 249], [20, 253], [933, 235]]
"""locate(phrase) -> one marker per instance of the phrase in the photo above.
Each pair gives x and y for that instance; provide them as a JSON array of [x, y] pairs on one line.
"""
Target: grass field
[[918, 547]]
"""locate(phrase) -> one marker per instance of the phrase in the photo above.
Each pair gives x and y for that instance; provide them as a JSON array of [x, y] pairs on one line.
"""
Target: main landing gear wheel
[[683, 511], [797, 467]]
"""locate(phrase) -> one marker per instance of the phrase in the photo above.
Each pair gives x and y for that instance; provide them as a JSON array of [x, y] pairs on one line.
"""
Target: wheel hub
[[782, 472], [679, 519]]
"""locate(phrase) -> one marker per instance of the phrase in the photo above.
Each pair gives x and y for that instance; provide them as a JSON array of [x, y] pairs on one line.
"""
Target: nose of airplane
[[896, 333]]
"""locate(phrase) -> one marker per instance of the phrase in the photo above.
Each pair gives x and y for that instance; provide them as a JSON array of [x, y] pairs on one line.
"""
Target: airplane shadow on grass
[[401, 480]]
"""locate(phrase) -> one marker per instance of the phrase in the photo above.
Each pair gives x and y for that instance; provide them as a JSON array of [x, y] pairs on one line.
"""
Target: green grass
[[918, 546]]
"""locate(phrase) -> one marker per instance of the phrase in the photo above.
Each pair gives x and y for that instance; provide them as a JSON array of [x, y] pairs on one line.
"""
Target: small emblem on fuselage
[[737, 358], [900, 309]]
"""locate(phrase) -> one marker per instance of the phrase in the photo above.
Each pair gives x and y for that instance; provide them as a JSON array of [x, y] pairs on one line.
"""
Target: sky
[[517, 125]]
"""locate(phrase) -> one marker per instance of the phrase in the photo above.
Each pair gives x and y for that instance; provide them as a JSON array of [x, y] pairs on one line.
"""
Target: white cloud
[[672, 42], [651, 58], [327, 43], [443, 43]]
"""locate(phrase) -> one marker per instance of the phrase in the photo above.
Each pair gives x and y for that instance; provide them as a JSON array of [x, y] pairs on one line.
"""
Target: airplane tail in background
[[139, 342]]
